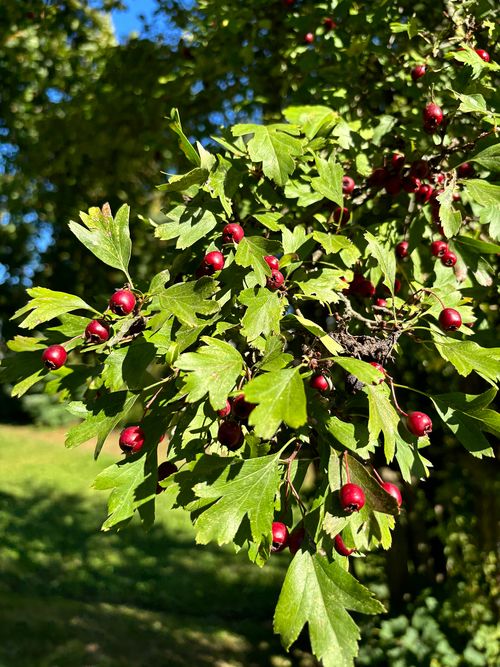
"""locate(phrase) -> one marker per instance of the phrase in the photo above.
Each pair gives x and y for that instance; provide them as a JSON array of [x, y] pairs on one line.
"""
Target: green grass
[[72, 596]]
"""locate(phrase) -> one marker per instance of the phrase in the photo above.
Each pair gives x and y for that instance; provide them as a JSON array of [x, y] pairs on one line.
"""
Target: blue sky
[[128, 21]]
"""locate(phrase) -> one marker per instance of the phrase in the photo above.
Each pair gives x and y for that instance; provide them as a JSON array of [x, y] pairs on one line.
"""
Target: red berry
[[131, 439], [484, 55], [397, 161], [320, 383], [329, 24], [54, 357], [340, 546], [272, 262], [402, 249], [381, 303], [394, 491], [465, 170], [397, 285], [448, 258], [418, 423], [296, 538], [280, 536], [410, 183], [418, 72], [341, 215], [419, 168], [276, 279], [232, 233], [96, 332], [424, 193], [438, 177], [380, 368], [348, 185], [122, 302], [241, 407], [450, 319], [432, 116], [378, 177], [225, 411], [352, 497], [230, 435], [393, 185], [309, 38], [165, 469], [213, 261], [362, 287], [438, 248]]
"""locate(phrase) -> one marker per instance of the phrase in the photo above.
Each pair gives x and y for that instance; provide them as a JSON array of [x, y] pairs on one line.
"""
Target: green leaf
[[385, 258], [331, 345], [214, 370], [280, 397], [184, 145], [158, 282], [128, 366], [477, 246], [26, 344], [329, 182], [450, 219], [364, 371], [274, 146], [468, 356], [383, 417], [188, 300], [482, 192], [243, 489], [472, 104], [274, 358], [133, 484], [251, 252], [335, 243], [45, 305], [314, 120], [263, 312], [489, 158], [466, 417], [182, 182], [410, 461], [106, 237], [319, 593], [189, 225], [105, 414], [323, 285], [350, 436]]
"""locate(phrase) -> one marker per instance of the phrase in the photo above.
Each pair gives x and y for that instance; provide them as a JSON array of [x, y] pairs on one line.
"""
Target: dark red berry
[[450, 319], [484, 55], [397, 162], [380, 368], [439, 178], [381, 303], [214, 261], [232, 233], [96, 332], [165, 469], [418, 72], [394, 491], [341, 215], [432, 116], [280, 536], [352, 497], [241, 408], [230, 435], [402, 249], [320, 383], [54, 357], [418, 423], [378, 177], [438, 248], [362, 287], [225, 411], [410, 183], [448, 258], [329, 24], [131, 439], [275, 280], [419, 168], [122, 302], [272, 262], [397, 285], [393, 185], [309, 38], [465, 170], [296, 538], [348, 185], [340, 546], [424, 193]]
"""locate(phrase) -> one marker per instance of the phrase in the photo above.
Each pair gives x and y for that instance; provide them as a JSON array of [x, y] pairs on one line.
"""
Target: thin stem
[[375, 472], [346, 462], [391, 383], [402, 386]]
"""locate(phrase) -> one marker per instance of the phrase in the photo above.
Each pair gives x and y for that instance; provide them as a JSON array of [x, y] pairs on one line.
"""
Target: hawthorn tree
[[304, 260]]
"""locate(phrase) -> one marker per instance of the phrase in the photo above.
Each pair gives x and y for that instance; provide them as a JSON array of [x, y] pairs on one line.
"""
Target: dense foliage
[[327, 303]]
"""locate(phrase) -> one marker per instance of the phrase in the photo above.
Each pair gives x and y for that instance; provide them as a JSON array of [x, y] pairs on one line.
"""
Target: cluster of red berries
[[328, 25], [396, 175], [235, 411], [97, 331], [132, 440], [420, 70]]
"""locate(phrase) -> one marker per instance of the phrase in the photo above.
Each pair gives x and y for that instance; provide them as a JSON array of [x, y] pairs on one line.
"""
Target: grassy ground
[[71, 596]]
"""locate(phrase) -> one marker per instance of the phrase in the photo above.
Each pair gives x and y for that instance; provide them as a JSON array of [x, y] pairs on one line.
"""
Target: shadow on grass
[[73, 596]]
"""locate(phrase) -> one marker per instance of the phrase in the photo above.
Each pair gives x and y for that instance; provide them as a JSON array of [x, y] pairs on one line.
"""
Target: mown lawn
[[72, 596]]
